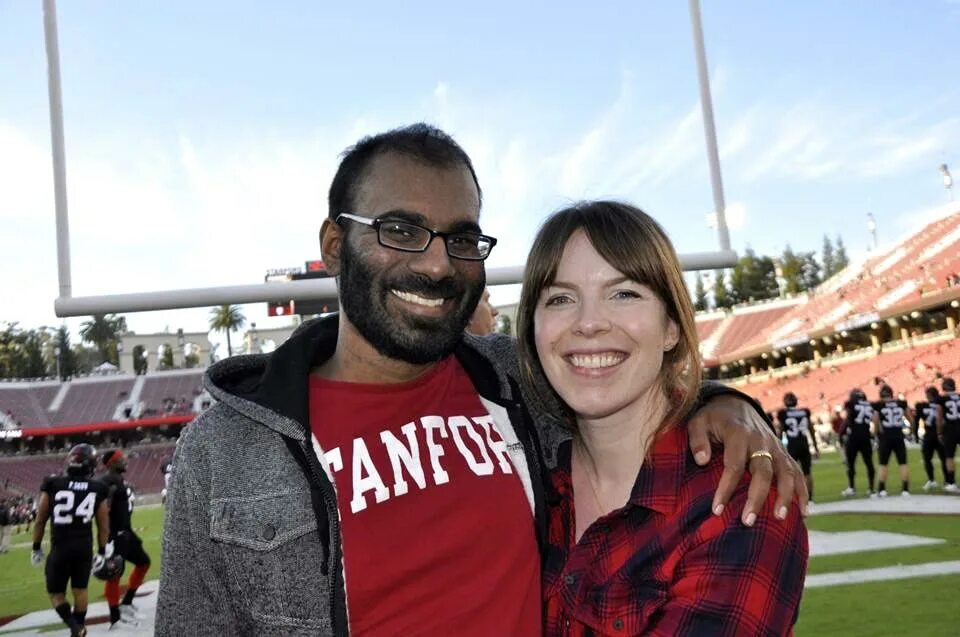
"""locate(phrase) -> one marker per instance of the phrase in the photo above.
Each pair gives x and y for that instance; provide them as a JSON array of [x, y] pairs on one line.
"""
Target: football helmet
[[949, 384], [111, 568], [790, 399], [81, 461], [886, 392], [857, 394]]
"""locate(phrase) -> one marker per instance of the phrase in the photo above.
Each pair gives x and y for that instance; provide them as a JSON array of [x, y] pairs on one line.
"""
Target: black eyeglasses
[[409, 237]]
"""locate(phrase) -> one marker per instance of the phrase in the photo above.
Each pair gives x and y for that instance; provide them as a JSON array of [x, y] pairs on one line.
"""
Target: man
[[4, 526], [889, 414], [795, 422], [381, 456], [931, 414], [127, 542], [166, 469], [858, 415], [949, 432], [74, 499], [484, 318]]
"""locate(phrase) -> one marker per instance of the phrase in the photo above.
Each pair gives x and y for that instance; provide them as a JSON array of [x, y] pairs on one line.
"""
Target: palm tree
[[103, 331], [227, 318]]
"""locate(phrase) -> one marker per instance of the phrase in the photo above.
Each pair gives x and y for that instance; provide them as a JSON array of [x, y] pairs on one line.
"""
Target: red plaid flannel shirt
[[665, 565]]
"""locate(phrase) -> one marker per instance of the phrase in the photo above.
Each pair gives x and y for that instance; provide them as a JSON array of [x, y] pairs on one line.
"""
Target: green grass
[[22, 587], [917, 606]]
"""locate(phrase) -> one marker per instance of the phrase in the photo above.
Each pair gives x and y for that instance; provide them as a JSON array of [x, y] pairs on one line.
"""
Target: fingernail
[[701, 457], [717, 510], [782, 513], [751, 519]]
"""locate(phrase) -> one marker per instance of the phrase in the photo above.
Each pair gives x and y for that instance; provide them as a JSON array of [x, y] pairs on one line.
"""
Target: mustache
[[425, 286]]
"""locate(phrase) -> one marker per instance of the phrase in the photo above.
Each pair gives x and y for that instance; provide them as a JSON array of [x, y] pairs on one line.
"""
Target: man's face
[[410, 306], [484, 318]]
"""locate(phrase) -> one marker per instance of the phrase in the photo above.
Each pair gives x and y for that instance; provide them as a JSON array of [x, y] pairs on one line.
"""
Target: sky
[[201, 137]]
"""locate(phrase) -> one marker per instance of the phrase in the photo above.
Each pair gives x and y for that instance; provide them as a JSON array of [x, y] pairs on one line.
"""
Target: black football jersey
[[795, 422], [859, 416], [951, 409], [927, 412], [120, 503], [892, 413], [73, 507]]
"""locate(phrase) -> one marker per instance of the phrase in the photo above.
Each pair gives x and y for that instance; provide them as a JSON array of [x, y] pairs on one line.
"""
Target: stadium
[[886, 319]]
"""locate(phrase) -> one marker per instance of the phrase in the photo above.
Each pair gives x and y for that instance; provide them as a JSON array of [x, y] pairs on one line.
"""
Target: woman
[[606, 333]]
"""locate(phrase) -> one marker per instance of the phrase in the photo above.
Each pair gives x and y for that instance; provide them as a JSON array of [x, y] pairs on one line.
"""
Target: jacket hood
[[273, 388]]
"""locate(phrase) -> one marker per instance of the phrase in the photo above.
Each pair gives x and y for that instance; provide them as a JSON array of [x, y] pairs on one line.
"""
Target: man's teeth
[[419, 300], [596, 361]]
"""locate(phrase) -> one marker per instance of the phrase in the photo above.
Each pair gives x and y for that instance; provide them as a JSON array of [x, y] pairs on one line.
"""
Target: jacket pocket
[[272, 554]]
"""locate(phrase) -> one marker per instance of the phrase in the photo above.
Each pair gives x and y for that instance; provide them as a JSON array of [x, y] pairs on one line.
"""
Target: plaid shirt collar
[[656, 485]]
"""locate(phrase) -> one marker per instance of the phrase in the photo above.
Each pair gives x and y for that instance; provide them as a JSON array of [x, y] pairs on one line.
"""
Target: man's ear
[[331, 241]]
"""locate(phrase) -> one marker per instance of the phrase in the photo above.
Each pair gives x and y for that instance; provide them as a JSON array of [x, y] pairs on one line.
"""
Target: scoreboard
[[311, 270]]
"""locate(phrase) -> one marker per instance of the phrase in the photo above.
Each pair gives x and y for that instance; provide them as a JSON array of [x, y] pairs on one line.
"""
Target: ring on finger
[[763, 453]]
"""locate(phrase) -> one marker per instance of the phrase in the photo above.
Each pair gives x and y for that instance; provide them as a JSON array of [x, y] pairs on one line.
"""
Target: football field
[[921, 542]]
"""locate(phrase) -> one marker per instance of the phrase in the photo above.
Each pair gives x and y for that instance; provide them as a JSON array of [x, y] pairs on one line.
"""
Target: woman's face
[[600, 337]]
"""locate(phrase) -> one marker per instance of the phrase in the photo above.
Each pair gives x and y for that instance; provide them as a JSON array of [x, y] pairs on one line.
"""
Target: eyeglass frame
[[376, 222]]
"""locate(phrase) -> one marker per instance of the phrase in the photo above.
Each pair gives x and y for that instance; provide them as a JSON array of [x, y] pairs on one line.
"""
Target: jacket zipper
[[333, 520]]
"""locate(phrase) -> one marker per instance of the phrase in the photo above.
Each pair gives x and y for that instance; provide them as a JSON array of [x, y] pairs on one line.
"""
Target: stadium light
[[947, 180], [309, 289]]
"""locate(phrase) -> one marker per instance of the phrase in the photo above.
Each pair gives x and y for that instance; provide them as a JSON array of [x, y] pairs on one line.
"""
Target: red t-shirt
[[438, 533]]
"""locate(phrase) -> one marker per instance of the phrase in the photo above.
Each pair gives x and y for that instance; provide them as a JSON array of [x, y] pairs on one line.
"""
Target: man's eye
[[399, 231], [465, 240]]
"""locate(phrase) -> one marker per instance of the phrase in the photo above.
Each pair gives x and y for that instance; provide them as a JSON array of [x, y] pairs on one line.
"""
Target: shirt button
[[268, 532], [618, 624], [569, 580]]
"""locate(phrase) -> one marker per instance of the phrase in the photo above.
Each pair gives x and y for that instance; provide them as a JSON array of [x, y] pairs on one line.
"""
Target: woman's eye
[[557, 300], [626, 294]]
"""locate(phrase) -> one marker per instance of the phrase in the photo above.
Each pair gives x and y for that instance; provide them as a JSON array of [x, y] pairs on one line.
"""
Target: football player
[[795, 423], [950, 430], [889, 415], [931, 413], [858, 415], [71, 501], [127, 543], [167, 470]]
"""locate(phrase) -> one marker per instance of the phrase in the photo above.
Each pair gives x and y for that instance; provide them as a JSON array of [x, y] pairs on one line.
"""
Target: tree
[[64, 354], [828, 260], [840, 258], [503, 325], [721, 297], [139, 360], [104, 332], [166, 359], [227, 318], [700, 295], [753, 278], [800, 271], [21, 352]]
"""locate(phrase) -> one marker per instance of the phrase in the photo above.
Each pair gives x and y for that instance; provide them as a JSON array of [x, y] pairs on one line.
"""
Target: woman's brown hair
[[633, 243]]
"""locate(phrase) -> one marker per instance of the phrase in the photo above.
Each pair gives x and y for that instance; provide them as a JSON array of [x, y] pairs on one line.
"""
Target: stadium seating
[[907, 371], [93, 401], [170, 392], [926, 263], [25, 473]]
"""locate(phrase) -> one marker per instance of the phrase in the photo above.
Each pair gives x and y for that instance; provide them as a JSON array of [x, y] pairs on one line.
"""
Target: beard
[[410, 338]]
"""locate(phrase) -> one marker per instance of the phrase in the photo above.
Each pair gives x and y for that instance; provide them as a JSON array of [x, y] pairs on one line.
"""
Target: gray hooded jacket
[[251, 542]]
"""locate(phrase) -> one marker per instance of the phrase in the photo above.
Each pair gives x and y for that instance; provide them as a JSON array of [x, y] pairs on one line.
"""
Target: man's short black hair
[[420, 141]]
